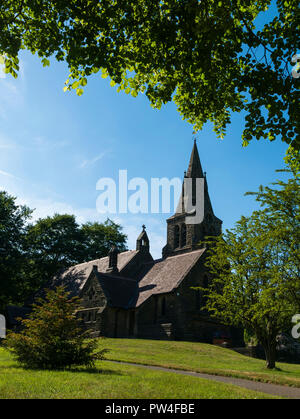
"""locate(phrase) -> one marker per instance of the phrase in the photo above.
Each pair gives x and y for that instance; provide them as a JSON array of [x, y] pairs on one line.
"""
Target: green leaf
[[45, 62], [79, 92], [75, 85], [245, 143], [83, 81]]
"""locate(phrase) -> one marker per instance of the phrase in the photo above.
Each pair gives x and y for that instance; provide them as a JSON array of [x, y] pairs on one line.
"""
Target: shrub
[[51, 337]]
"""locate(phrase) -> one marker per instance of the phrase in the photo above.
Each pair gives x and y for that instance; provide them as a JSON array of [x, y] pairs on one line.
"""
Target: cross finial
[[144, 227]]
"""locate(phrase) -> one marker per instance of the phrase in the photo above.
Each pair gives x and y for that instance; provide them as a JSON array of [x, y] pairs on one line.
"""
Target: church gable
[[92, 294], [75, 277]]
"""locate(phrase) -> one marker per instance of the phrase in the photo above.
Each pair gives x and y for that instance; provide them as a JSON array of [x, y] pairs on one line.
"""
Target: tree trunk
[[270, 351]]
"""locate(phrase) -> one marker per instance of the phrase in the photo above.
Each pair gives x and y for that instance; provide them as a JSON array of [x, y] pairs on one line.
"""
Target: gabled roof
[[75, 277], [157, 277], [164, 275]]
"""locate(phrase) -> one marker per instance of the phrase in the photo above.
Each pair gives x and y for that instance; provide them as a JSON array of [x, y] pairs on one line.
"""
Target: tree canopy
[[211, 58]]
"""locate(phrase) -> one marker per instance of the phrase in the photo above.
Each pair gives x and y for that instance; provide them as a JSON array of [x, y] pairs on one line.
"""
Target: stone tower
[[186, 228]]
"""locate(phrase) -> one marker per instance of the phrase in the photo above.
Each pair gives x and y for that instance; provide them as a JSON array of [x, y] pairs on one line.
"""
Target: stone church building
[[130, 294]]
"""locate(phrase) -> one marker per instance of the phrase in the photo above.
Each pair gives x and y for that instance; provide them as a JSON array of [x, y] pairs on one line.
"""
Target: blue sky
[[54, 146]]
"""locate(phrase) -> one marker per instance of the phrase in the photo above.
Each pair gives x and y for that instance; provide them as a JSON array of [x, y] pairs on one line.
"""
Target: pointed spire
[[194, 169], [191, 234]]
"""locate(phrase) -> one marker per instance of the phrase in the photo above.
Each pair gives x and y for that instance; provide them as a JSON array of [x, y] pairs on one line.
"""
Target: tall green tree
[[53, 243], [100, 237], [281, 204], [256, 267], [210, 57], [13, 220], [57, 242]]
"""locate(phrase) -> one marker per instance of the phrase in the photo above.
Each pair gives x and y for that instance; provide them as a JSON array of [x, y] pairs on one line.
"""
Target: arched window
[[183, 235], [176, 236]]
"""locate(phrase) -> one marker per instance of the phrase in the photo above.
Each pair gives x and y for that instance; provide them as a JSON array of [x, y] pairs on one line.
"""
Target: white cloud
[[3, 173], [42, 143], [90, 162]]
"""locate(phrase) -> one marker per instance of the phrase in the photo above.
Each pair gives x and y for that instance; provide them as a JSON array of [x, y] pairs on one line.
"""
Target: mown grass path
[[272, 389], [199, 357]]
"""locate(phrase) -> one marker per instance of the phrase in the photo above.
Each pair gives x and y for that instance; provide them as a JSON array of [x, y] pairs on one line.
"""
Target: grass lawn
[[199, 357], [110, 381]]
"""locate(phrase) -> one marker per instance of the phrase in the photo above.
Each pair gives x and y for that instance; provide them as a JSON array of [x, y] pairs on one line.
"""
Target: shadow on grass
[[72, 369], [92, 371]]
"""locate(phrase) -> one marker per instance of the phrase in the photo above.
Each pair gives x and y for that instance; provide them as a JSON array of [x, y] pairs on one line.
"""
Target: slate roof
[[164, 275], [75, 277], [156, 277]]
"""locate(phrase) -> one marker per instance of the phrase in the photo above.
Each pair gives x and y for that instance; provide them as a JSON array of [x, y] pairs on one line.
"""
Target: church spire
[[182, 234], [194, 169], [194, 172]]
